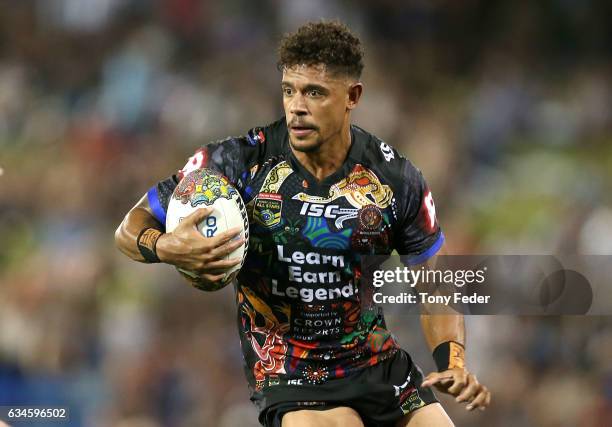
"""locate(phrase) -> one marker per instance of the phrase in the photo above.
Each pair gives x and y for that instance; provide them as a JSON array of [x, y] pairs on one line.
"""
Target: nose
[[298, 105]]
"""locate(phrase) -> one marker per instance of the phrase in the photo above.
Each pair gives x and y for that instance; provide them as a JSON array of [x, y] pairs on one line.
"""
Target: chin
[[305, 145]]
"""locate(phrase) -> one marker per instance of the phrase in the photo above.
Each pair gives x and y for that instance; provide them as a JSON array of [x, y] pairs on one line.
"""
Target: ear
[[354, 95]]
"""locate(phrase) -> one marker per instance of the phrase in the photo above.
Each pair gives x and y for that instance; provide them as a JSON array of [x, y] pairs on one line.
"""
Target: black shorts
[[381, 394]]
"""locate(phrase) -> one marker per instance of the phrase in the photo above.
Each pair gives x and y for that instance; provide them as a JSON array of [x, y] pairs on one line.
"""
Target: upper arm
[[231, 157], [418, 235], [143, 203], [139, 217]]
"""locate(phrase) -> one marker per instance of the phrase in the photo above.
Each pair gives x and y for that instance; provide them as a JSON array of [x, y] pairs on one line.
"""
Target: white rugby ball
[[202, 188]]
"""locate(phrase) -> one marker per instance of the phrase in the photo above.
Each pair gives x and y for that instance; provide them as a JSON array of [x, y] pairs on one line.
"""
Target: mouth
[[301, 130]]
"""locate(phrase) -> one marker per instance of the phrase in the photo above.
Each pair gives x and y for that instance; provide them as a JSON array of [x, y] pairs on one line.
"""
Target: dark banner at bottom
[[490, 284]]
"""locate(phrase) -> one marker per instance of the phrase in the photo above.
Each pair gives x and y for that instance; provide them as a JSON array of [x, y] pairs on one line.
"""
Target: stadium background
[[505, 106]]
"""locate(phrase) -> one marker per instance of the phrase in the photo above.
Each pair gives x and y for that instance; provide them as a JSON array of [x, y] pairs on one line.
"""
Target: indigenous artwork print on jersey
[[311, 245], [302, 316]]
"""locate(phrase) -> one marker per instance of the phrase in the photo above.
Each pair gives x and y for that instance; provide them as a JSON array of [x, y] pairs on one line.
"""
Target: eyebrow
[[310, 86]]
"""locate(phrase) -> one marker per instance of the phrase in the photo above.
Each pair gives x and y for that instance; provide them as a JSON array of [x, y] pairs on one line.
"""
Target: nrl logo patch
[[267, 209]]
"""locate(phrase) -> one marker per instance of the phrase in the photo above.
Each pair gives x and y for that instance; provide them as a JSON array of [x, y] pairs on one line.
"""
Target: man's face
[[316, 105]]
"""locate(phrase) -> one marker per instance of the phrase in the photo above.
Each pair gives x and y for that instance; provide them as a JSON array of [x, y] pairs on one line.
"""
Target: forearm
[[445, 335], [127, 233], [441, 328]]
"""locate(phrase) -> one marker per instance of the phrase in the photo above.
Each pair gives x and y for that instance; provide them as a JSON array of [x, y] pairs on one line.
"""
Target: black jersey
[[301, 317]]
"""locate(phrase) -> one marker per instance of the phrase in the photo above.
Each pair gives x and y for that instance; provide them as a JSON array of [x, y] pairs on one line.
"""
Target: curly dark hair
[[330, 43]]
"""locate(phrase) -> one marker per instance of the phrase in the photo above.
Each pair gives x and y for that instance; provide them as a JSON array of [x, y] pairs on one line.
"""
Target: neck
[[329, 157]]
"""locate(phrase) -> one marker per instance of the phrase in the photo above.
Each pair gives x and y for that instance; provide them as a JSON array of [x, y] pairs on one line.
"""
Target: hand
[[461, 384], [187, 248], [205, 285]]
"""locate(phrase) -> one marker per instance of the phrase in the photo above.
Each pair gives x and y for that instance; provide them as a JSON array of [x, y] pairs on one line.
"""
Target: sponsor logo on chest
[[319, 210]]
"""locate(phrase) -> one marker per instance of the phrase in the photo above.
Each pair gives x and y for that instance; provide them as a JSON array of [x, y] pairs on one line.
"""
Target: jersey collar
[[358, 140]]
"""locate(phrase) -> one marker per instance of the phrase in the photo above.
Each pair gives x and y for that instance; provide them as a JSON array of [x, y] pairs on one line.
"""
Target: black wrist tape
[[147, 242], [449, 355]]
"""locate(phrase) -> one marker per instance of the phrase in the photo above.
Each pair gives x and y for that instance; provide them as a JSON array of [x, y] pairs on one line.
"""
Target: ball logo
[[431, 209], [211, 224], [210, 190], [203, 186]]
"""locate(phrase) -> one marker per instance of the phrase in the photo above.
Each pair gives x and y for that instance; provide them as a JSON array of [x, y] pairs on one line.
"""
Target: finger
[[226, 236], [445, 382], [477, 402], [230, 277], [460, 381], [215, 271], [223, 264], [212, 278], [436, 377], [226, 249], [197, 216], [481, 400], [208, 286], [468, 393]]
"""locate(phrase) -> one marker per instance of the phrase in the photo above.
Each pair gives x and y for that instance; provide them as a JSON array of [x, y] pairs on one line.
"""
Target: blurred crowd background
[[505, 106]]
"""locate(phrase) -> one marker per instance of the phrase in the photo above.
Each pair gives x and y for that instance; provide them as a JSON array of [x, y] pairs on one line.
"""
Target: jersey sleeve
[[232, 157], [419, 236]]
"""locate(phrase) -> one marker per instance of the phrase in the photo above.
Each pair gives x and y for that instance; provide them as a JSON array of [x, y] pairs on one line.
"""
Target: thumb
[[435, 378]]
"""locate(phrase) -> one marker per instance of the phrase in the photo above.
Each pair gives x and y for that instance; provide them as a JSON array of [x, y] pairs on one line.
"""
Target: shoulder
[[272, 137], [384, 159], [241, 152]]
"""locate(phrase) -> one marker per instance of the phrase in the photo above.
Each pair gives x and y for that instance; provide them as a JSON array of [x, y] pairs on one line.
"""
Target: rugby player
[[321, 193]]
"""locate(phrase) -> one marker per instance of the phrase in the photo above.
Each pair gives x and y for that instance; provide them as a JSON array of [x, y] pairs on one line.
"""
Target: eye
[[287, 91], [314, 93]]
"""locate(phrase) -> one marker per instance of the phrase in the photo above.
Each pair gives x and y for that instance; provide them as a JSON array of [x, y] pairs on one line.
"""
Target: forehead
[[311, 74]]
